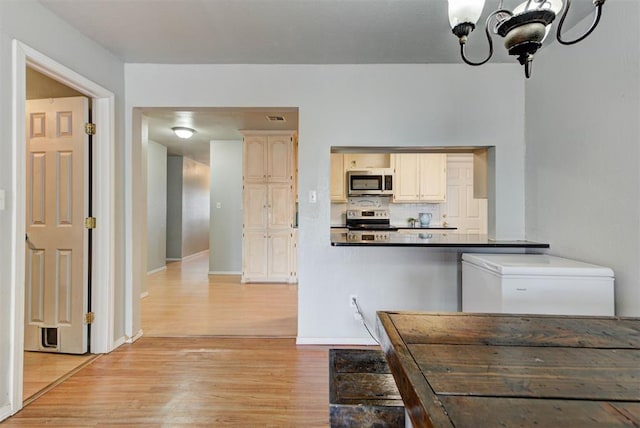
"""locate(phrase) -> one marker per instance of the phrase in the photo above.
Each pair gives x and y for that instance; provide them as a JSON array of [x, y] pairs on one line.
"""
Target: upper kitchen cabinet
[[366, 160], [268, 158], [338, 175], [420, 177]]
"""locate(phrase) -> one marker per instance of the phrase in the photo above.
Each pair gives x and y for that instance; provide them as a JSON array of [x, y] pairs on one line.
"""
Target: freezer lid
[[535, 264]]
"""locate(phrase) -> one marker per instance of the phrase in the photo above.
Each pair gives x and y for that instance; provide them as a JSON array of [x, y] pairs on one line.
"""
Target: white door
[[461, 210], [56, 267]]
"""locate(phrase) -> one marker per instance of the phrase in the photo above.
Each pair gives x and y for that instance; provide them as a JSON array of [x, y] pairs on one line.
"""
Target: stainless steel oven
[[370, 182]]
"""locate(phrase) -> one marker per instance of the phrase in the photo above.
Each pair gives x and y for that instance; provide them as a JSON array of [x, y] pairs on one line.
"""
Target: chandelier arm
[[594, 24], [489, 39]]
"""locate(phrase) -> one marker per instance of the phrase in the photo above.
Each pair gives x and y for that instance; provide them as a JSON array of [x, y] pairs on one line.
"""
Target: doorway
[[102, 274], [58, 254], [150, 128]]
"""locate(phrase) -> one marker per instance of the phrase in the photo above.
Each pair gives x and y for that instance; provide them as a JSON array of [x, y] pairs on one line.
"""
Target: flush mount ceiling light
[[183, 132], [523, 29]]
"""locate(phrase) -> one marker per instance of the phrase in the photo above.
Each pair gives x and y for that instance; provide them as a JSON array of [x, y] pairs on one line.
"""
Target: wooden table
[[473, 370]]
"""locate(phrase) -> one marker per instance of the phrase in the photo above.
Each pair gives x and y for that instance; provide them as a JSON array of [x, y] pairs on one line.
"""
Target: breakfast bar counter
[[426, 238], [499, 370]]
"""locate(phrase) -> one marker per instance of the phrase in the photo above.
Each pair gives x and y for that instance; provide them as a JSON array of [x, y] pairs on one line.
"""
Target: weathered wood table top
[[475, 370]]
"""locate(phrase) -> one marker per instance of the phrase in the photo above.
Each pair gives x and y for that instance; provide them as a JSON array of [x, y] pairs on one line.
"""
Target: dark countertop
[[400, 239], [417, 229]]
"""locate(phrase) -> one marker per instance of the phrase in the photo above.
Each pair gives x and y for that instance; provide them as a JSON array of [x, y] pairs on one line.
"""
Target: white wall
[[195, 207], [365, 105], [156, 206], [187, 207], [35, 26], [225, 253], [583, 150], [174, 207]]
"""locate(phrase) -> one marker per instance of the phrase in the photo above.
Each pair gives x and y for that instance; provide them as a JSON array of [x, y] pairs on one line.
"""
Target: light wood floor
[[192, 382], [185, 300], [198, 379], [43, 370]]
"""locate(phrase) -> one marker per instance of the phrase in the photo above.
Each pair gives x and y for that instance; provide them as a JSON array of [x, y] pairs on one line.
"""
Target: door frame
[[103, 285]]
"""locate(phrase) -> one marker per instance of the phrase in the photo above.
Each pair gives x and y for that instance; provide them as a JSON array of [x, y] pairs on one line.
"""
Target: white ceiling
[[266, 31], [212, 124], [271, 32]]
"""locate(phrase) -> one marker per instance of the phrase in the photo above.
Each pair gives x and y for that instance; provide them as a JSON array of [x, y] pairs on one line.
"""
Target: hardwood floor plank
[[43, 370], [184, 300], [181, 372], [194, 381]]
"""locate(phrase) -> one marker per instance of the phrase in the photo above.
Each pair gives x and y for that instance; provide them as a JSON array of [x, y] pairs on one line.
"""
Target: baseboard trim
[[5, 412], [355, 341], [144, 294], [119, 342], [181, 259], [135, 337], [151, 272], [190, 256], [225, 272]]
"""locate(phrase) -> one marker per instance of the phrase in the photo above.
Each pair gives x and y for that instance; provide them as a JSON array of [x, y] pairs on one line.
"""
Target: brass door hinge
[[90, 128], [90, 222], [89, 318]]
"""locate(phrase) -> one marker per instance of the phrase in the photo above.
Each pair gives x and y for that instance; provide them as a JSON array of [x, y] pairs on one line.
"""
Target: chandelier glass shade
[[523, 29]]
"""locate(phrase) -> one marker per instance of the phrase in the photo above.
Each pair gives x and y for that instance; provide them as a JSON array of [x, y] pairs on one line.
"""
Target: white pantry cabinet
[[268, 158], [269, 208], [420, 177], [268, 256]]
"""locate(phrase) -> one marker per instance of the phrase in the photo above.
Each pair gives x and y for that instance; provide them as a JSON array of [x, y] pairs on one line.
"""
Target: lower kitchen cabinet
[[267, 256]]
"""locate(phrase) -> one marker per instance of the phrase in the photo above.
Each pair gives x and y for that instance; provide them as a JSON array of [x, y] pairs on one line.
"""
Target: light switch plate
[[313, 196]]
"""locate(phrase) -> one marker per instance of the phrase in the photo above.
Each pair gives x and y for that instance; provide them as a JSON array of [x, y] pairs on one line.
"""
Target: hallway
[[184, 300]]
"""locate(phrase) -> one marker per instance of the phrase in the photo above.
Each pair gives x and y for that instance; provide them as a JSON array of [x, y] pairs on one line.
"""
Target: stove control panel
[[374, 236], [364, 214]]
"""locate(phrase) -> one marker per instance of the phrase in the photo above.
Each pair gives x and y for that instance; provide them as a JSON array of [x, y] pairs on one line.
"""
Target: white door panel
[[461, 210], [56, 267]]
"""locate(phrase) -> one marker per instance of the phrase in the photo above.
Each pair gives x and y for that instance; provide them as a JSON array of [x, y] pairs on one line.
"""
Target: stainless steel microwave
[[377, 182]]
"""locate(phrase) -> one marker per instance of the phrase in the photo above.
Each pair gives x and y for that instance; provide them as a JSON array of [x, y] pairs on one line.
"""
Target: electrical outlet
[[353, 298]]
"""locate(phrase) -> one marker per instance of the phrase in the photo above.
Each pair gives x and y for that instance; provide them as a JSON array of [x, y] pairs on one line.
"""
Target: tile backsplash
[[399, 213]]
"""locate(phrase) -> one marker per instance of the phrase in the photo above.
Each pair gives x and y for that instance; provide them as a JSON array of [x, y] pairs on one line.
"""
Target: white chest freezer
[[535, 284]]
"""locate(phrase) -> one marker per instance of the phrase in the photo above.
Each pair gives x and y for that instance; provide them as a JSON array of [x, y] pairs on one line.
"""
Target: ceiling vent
[[275, 118]]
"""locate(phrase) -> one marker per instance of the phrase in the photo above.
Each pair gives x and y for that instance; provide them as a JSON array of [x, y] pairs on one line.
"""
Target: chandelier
[[523, 29]]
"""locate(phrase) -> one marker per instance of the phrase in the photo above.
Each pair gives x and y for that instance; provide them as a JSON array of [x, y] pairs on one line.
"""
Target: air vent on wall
[[275, 118]]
